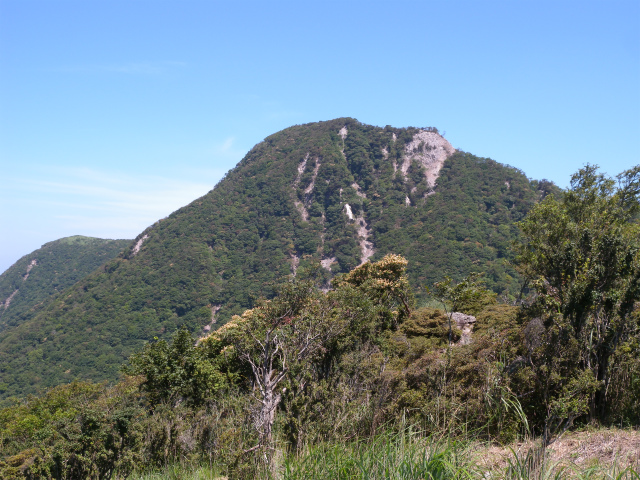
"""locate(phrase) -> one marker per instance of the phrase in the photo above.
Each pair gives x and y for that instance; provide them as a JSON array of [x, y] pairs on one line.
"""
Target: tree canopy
[[282, 208], [580, 254]]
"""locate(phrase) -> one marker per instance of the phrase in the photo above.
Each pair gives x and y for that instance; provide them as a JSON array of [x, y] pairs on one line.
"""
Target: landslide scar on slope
[[302, 206], [8, 300], [136, 247], [431, 150]]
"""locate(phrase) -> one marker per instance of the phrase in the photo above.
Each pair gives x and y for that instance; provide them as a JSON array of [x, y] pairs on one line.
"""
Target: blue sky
[[115, 113]]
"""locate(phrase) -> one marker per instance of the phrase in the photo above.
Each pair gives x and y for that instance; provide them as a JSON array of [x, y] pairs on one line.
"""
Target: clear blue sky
[[115, 113]]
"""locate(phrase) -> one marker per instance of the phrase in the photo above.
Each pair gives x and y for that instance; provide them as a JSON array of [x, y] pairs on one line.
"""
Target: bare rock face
[[427, 148], [431, 150], [465, 324]]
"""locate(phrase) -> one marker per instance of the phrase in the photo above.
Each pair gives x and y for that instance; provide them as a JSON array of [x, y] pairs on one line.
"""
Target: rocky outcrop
[[295, 261], [465, 324], [430, 149], [348, 212]]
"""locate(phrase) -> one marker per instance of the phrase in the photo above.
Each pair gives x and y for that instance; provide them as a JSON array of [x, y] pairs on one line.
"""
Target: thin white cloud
[[105, 203], [227, 144], [227, 151], [130, 68], [283, 114]]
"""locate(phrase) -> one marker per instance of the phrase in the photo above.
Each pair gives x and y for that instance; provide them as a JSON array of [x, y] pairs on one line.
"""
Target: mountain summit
[[335, 194]]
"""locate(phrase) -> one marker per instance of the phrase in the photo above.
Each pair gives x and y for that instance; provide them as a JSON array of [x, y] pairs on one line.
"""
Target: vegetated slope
[[336, 192], [34, 279]]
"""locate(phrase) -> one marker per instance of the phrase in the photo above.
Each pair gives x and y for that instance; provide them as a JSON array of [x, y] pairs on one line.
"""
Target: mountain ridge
[[330, 193], [56, 265]]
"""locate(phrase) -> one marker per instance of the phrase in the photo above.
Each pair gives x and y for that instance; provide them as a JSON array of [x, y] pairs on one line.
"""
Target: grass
[[409, 455], [529, 467], [181, 472], [389, 456]]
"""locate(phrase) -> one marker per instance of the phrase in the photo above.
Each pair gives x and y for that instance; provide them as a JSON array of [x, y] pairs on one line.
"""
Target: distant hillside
[[34, 279], [333, 193]]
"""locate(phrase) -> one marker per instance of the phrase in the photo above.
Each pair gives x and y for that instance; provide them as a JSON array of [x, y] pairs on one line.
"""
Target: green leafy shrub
[[79, 430]]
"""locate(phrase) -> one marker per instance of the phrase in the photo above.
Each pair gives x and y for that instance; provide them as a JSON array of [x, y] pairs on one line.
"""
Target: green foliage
[[180, 371], [275, 390], [299, 340], [581, 257], [27, 289], [34, 279], [624, 387], [466, 225], [467, 296], [220, 253], [279, 340], [384, 283], [460, 389], [79, 430], [93, 431], [407, 455]]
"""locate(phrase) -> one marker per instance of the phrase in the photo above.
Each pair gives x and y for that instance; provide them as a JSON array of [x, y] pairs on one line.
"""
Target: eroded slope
[[335, 193]]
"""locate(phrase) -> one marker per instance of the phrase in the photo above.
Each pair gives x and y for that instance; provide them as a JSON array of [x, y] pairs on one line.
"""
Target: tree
[[469, 295], [277, 337], [286, 340], [385, 284], [179, 371], [580, 255]]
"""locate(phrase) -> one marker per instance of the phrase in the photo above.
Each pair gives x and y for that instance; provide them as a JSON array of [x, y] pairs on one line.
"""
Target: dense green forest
[[312, 367], [32, 281], [332, 193]]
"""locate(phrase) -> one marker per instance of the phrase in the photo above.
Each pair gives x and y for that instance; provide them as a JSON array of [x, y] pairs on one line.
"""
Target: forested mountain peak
[[36, 277], [333, 194]]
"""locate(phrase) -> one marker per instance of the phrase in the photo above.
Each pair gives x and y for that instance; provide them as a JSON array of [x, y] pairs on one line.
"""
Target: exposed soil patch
[[359, 192], [366, 246], [136, 247], [295, 261], [327, 262], [309, 189], [33, 263], [7, 302], [298, 204], [605, 448]]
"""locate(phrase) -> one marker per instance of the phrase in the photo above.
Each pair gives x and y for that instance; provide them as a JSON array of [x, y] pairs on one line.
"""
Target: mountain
[[333, 193], [36, 278]]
